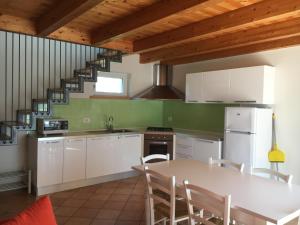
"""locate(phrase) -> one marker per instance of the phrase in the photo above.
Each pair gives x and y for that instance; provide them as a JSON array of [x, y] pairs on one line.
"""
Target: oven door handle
[[157, 142]]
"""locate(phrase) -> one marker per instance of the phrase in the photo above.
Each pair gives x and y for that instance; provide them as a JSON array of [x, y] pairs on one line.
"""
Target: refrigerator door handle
[[238, 132]]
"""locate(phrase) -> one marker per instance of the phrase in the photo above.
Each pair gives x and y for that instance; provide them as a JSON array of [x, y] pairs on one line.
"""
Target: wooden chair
[[216, 205], [280, 176], [220, 162], [154, 157], [171, 209]]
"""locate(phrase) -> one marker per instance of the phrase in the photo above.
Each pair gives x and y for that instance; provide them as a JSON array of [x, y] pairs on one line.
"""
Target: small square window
[[111, 84]]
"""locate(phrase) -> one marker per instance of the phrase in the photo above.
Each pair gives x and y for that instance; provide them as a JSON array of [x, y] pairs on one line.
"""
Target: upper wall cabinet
[[216, 86], [193, 87], [249, 85]]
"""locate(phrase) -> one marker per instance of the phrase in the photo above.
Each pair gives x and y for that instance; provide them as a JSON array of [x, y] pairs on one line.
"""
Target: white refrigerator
[[248, 136]]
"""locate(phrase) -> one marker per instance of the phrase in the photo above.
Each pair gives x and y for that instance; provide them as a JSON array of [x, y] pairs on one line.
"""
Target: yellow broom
[[275, 154]]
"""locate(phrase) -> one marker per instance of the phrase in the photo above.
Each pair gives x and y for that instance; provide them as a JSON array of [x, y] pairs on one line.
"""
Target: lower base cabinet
[[129, 151], [101, 156], [204, 149], [49, 162], [198, 149], [112, 154], [70, 159], [74, 159]]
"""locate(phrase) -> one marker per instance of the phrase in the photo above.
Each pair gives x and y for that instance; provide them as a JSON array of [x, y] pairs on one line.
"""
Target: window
[[111, 84]]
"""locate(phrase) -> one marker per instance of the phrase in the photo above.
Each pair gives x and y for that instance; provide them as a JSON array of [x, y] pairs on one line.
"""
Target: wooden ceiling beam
[[72, 35], [150, 14], [62, 14], [241, 38], [270, 45], [267, 10], [121, 45]]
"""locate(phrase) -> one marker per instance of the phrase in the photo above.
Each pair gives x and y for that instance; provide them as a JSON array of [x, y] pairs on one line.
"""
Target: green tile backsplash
[[192, 116], [141, 113], [126, 113]]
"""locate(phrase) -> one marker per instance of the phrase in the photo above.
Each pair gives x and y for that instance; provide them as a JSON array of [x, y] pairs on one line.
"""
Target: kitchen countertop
[[208, 135], [81, 134]]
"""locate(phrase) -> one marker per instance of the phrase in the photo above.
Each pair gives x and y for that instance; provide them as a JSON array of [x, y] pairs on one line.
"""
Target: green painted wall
[[126, 113], [141, 113], [208, 117]]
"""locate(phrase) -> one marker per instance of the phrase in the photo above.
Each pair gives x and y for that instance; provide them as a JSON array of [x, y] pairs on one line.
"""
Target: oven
[[158, 143]]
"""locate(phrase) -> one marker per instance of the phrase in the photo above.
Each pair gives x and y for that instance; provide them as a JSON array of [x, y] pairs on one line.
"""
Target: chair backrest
[[155, 156], [220, 162], [280, 176], [208, 201], [165, 185]]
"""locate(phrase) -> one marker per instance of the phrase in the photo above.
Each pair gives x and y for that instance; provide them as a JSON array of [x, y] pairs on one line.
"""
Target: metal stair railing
[[42, 107]]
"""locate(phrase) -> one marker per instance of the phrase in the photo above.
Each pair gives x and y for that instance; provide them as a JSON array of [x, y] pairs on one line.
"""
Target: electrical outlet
[[86, 120], [170, 118]]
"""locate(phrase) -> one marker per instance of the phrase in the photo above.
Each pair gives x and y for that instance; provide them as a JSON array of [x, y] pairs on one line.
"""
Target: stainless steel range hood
[[162, 85]]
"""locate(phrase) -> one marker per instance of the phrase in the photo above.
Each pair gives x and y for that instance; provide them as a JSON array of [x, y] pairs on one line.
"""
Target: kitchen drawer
[[183, 156], [184, 141], [184, 149]]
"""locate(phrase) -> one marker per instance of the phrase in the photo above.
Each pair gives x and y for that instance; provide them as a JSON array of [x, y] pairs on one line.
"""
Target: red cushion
[[39, 213]]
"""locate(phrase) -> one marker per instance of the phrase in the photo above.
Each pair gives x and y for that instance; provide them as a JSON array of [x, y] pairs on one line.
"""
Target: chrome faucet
[[110, 123]]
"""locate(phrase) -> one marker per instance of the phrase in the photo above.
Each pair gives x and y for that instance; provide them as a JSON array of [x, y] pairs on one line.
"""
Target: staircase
[[42, 108]]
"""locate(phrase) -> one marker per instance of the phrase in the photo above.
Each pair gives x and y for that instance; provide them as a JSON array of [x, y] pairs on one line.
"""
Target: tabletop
[[271, 200]]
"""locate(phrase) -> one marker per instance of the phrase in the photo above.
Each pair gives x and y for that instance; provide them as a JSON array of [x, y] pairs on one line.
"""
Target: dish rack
[[15, 180]]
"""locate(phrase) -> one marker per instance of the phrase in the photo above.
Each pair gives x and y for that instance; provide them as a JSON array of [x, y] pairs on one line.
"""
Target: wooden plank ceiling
[[169, 31]]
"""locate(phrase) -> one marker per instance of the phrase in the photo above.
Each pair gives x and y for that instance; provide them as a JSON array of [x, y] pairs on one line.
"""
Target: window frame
[[123, 76]]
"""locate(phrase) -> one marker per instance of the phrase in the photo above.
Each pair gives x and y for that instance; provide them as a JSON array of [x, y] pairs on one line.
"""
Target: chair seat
[[218, 221], [165, 195], [180, 209]]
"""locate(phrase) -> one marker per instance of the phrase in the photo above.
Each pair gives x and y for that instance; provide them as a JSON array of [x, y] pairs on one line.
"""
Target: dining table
[[255, 200]]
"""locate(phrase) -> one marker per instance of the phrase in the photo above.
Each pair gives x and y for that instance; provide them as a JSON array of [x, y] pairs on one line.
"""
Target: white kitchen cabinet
[[189, 147], [129, 151], [216, 86], [49, 163], [101, 156], [204, 149], [249, 84], [74, 159], [194, 87], [252, 84], [112, 154], [184, 147]]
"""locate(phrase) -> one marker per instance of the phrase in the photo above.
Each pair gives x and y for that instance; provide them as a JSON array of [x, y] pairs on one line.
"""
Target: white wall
[[287, 94]]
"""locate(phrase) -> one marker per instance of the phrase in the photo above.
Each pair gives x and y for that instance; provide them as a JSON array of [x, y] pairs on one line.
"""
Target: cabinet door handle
[[246, 101], [95, 139], [203, 140], [133, 135], [184, 146], [75, 140], [214, 101], [52, 142]]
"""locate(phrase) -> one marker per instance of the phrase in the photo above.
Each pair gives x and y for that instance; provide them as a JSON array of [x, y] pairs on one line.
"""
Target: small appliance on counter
[[159, 140], [47, 126]]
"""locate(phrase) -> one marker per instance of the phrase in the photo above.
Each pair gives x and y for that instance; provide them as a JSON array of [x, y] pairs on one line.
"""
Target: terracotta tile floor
[[113, 203]]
